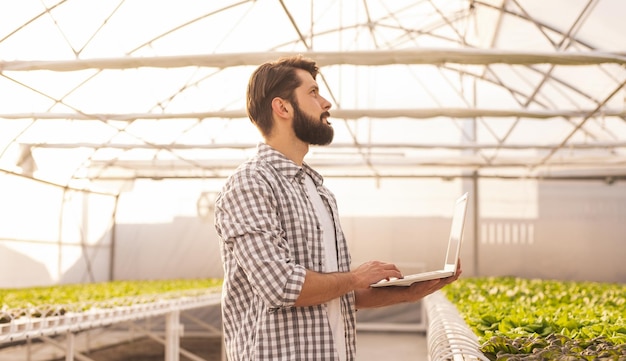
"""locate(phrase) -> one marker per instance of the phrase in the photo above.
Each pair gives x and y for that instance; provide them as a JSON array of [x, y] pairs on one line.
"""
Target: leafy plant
[[530, 319]]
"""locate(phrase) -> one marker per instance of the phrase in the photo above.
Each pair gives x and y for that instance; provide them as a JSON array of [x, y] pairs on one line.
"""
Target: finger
[[390, 266]]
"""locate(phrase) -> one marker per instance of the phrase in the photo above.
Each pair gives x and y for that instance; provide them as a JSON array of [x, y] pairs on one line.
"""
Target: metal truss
[[443, 40], [69, 324]]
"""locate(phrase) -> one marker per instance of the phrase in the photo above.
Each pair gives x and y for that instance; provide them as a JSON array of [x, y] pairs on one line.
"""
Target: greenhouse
[[121, 121]]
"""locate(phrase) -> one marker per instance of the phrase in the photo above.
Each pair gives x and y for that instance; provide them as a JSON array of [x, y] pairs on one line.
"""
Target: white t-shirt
[[330, 250]]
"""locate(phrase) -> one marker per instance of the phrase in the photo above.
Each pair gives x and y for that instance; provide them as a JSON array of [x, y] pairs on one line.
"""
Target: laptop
[[452, 254]]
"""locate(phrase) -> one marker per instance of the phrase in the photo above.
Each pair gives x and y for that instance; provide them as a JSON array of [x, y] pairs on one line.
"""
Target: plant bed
[[58, 300], [530, 319]]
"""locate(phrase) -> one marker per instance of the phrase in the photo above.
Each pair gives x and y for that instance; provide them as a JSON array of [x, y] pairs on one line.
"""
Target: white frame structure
[[70, 323]]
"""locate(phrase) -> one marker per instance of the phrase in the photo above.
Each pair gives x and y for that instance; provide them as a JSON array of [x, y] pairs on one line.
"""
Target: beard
[[311, 130]]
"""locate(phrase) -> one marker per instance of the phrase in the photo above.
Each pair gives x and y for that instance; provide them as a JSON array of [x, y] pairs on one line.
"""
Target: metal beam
[[424, 113], [609, 177], [459, 162], [331, 147], [363, 58]]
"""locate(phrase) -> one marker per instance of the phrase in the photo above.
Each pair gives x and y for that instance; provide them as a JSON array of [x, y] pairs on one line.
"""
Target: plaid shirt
[[269, 235]]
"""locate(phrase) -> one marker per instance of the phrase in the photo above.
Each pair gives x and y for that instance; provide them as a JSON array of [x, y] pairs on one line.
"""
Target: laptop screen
[[456, 230]]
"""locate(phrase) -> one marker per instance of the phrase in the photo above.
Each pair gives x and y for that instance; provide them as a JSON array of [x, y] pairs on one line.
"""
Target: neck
[[292, 148]]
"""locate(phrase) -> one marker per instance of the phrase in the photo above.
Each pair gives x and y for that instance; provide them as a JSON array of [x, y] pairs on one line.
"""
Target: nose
[[325, 103]]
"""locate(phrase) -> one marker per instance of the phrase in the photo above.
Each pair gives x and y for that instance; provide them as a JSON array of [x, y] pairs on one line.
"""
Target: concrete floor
[[371, 346], [389, 345]]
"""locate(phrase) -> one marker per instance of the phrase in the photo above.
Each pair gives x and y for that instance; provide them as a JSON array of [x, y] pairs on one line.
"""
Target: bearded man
[[289, 291]]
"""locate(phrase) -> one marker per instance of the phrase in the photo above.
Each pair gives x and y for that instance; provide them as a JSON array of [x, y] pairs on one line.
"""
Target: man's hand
[[419, 290], [386, 296], [322, 287], [372, 272]]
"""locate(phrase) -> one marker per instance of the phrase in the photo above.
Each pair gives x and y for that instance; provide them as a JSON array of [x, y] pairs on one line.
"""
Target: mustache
[[325, 115]]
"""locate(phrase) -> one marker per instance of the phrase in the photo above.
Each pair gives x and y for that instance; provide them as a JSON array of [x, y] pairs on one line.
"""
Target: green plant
[[531, 319]]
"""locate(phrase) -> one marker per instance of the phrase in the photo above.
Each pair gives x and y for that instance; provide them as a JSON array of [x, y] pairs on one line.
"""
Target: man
[[289, 292]]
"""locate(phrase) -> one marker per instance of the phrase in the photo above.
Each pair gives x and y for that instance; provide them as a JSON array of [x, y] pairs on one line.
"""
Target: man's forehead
[[307, 79]]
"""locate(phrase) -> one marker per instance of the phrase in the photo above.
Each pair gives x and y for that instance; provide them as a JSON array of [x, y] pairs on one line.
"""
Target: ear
[[281, 107]]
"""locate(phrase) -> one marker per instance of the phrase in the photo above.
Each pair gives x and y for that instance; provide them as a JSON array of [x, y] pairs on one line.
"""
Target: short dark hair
[[274, 79]]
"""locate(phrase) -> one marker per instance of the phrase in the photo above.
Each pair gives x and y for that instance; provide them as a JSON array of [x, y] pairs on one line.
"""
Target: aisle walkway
[[391, 346], [371, 346], [394, 333]]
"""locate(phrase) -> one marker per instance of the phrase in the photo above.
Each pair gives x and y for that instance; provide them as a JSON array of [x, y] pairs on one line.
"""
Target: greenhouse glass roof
[[96, 94]]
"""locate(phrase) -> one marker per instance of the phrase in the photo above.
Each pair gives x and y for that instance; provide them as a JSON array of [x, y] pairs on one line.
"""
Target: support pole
[[29, 349], [173, 331], [68, 348], [70, 340], [476, 219]]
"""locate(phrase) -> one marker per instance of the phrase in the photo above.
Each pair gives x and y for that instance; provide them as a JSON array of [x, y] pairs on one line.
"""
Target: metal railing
[[69, 323], [448, 336]]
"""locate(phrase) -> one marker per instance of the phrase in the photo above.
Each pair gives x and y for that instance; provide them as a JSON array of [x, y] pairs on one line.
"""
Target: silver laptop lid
[[456, 233]]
